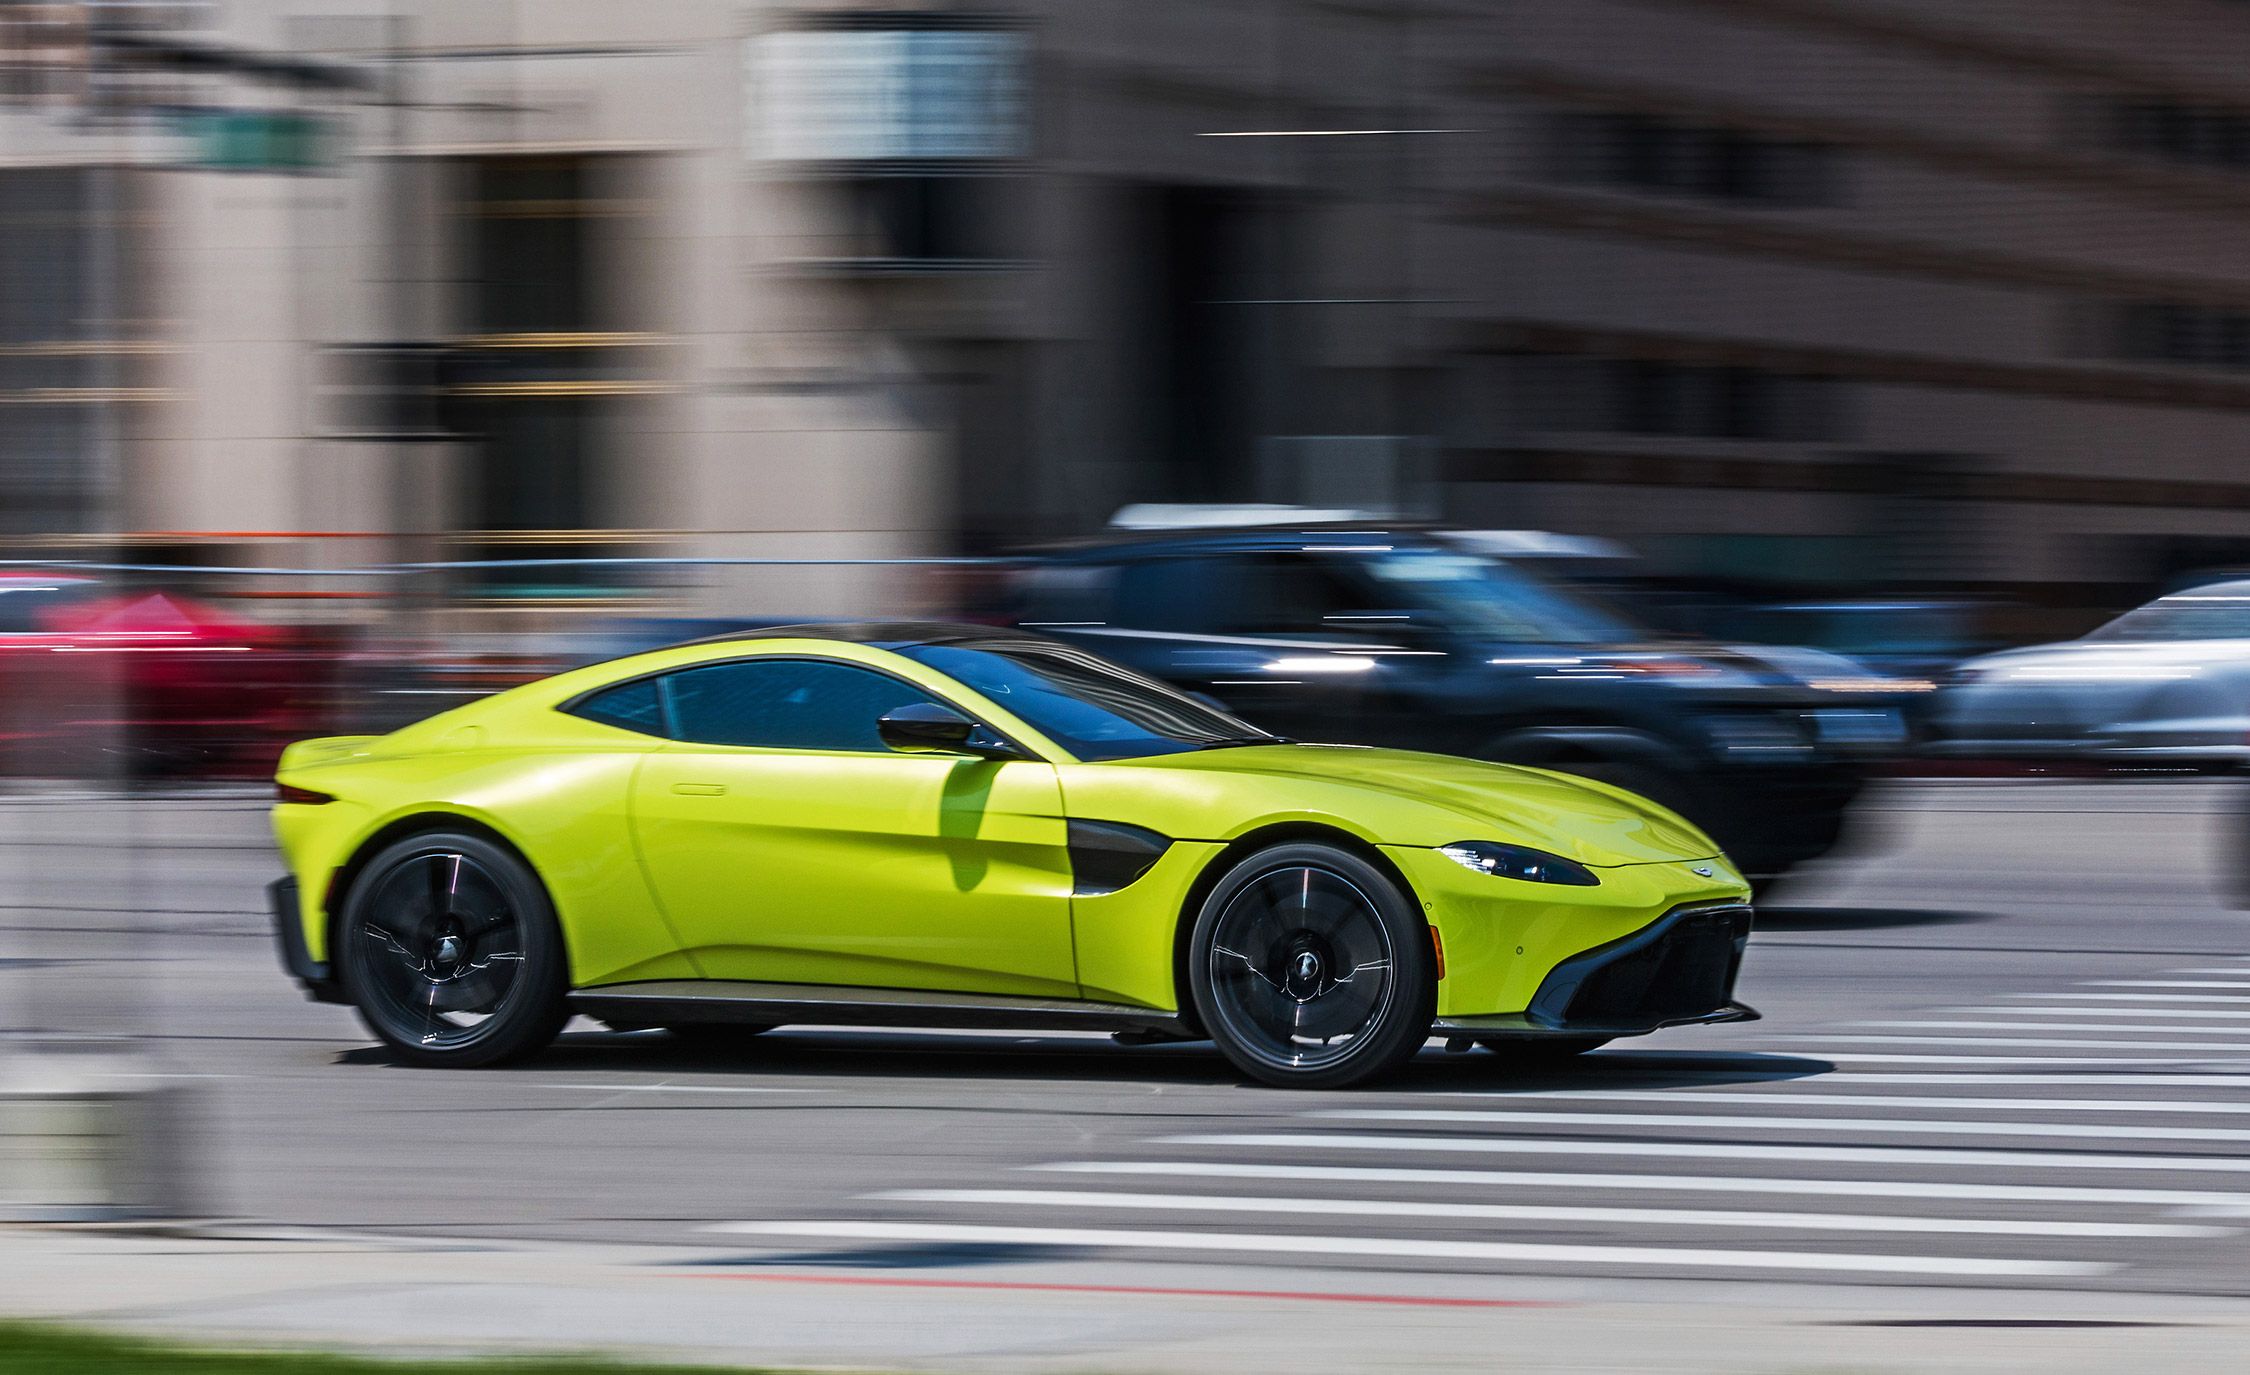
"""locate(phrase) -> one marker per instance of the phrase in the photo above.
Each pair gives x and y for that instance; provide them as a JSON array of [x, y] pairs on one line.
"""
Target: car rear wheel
[[1312, 969], [449, 949]]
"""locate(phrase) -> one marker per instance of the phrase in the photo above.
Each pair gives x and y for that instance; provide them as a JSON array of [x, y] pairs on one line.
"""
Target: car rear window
[[636, 706]]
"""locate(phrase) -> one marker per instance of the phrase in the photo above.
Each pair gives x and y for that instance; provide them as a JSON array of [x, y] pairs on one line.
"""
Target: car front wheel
[[449, 949], [1311, 968]]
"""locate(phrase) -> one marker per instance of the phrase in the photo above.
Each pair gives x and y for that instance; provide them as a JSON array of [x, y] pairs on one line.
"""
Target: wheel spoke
[[441, 948], [394, 945], [1300, 966], [442, 874], [1248, 963]]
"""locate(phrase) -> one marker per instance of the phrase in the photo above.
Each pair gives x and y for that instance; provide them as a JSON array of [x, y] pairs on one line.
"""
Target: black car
[[1415, 639]]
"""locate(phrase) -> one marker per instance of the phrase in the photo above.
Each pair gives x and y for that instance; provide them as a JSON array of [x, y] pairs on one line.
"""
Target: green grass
[[38, 1349]]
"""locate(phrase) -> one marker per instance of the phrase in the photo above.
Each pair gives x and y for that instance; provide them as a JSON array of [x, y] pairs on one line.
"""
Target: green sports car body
[[947, 825]]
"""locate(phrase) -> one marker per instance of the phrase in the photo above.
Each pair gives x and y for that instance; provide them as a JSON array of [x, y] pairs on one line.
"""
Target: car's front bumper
[[1509, 948], [1677, 971]]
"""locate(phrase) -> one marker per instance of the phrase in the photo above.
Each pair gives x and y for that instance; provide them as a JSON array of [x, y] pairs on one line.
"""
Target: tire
[[1266, 953], [1543, 1052], [449, 949]]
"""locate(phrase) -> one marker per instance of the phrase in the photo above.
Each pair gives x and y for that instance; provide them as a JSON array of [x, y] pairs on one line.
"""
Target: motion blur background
[[361, 356], [1923, 327]]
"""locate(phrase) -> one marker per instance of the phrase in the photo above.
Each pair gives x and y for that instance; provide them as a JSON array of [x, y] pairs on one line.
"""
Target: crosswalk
[[1925, 1147]]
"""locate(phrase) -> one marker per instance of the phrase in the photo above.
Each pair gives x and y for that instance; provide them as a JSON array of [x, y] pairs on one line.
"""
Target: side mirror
[[929, 728]]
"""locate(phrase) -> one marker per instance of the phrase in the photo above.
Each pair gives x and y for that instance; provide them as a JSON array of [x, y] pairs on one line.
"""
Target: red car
[[102, 679]]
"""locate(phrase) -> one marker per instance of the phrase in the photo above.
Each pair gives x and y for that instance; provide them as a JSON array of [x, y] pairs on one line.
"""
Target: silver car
[[2168, 682]]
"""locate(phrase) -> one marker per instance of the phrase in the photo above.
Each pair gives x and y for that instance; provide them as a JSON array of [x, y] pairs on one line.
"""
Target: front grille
[[1684, 967]]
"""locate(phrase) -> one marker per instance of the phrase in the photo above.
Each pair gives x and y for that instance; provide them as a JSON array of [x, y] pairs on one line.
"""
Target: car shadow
[[896, 1256], [1862, 918], [825, 1053]]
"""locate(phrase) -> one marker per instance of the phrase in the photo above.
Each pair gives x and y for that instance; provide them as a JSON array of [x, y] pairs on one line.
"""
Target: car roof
[[878, 634], [2230, 589], [1246, 539]]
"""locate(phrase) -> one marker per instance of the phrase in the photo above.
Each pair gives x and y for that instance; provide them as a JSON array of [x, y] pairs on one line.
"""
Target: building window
[[1639, 396], [903, 129], [1662, 156], [56, 332], [43, 51], [2215, 136], [2175, 335], [889, 88]]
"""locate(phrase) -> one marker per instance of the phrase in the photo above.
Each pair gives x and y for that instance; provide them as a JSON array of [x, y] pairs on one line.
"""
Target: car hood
[[1592, 823]]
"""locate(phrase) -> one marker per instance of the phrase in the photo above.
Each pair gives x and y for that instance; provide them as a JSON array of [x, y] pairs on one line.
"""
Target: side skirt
[[670, 1002]]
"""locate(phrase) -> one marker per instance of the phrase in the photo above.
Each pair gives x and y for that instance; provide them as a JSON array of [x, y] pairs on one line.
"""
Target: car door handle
[[700, 789]]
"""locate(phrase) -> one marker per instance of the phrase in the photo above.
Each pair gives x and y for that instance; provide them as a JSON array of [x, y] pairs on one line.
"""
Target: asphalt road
[[2006, 1043]]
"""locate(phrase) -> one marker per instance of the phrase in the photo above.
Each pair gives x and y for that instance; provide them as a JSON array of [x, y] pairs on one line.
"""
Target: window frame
[[569, 707]]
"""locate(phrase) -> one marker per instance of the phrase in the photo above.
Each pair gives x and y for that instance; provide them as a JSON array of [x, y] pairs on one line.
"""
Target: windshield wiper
[[1235, 742]]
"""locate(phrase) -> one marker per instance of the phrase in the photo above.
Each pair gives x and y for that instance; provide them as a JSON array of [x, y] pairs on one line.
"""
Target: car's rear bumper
[[314, 976], [1677, 971]]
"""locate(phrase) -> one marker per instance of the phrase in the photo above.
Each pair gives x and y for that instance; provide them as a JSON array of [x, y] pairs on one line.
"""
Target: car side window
[[794, 704], [635, 706], [1289, 594], [1170, 593], [1067, 594]]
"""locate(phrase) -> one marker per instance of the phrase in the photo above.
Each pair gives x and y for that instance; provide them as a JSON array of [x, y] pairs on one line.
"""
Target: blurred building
[[1863, 290]]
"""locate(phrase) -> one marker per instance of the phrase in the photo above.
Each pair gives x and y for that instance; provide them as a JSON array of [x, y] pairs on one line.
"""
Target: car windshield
[[2208, 615], [1085, 704], [1488, 598]]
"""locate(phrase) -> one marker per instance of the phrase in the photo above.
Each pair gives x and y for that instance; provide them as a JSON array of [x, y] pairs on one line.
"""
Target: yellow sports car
[[937, 825]]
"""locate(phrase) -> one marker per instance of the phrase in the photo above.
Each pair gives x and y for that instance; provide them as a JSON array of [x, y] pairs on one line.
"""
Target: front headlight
[[1518, 862]]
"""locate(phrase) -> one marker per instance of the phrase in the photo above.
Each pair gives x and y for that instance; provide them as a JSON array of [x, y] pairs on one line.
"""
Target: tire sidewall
[[1413, 1005], [534, 1012]]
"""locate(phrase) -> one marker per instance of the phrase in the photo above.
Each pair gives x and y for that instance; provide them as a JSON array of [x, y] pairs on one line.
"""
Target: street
[[2006, 1045]]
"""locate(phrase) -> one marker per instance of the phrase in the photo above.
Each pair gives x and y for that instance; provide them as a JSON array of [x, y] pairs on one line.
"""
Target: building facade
[[1854, 291]]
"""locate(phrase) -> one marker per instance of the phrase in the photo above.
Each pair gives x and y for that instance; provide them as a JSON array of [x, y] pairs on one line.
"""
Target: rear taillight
[[304, 797]]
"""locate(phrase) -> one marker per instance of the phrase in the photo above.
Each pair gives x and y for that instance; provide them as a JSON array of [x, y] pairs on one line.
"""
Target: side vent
[[1108, 855]]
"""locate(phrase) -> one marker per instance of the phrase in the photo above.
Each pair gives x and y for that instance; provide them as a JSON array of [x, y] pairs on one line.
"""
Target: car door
[[787, 844]]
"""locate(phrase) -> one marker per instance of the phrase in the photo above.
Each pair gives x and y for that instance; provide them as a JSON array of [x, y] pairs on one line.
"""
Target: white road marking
[[674, 1088], [2129, 1028], [1682, 1183], [1987, 1103], [1872, 1057], [2058, 1042], [2208, 1081], [2100, 1131], [2168, 983], [1420, 1248], [2240, 1019], [1526, 1212], [1700, 1150], [2141, 997]]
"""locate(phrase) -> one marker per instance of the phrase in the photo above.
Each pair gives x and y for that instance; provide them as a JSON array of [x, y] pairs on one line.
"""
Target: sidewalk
[[970, 1313]]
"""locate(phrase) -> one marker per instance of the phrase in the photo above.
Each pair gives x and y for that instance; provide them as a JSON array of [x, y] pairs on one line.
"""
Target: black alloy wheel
[[449, 948], [1311, 969]]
